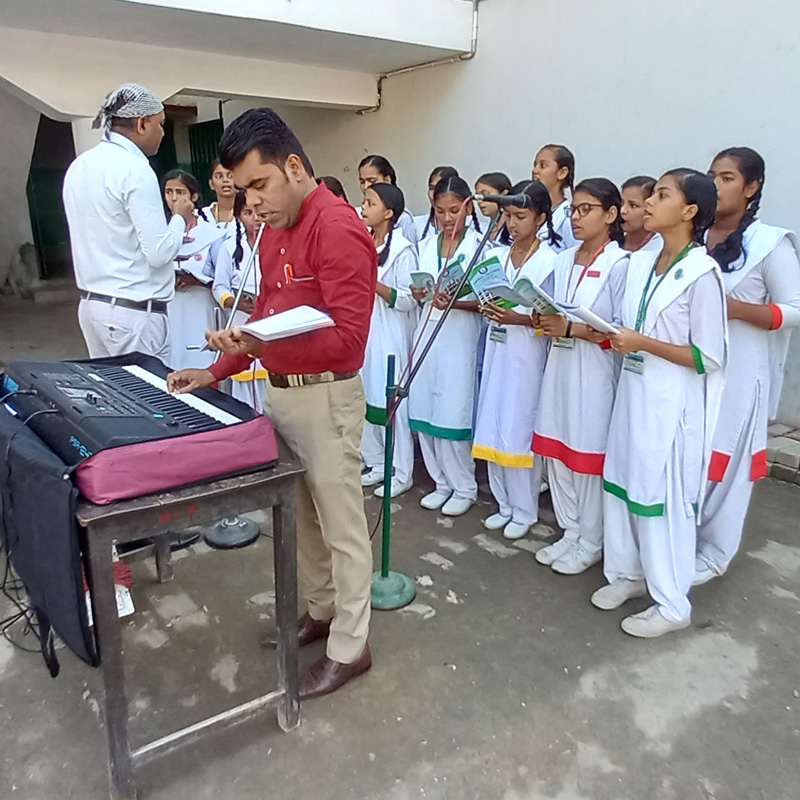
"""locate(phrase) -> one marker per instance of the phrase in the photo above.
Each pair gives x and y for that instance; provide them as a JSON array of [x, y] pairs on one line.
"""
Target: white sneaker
[[547, 555], [435, 499], [495, 522], [397, 488], [515, 530], [372, 477], [704, 572], [615, 594], [456, 506], [576, 560], [650, 623]]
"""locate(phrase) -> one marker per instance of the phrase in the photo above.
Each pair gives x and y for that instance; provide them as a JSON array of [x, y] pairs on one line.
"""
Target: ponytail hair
[[752, 167], [603, 190], [442, 172], [458, 188], [564, 158], [697, 189], [239, 203], [643, 182], [499, 181], [381, 164], [392, 198], [190, 182], [540, 204]]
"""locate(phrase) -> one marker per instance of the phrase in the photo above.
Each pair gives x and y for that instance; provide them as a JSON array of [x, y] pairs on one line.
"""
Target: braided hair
[[239, 203], [540, 204], [697, 189], [603, 190], [564, 157], [752, 168], [442, 172], [190, 182], [457, 187], [392, 198]]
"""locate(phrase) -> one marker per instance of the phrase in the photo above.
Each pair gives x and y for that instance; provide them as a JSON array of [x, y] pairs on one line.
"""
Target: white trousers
[[244, 391], [659, 549], [516, 490], [578, 503], [725, 508], [372, 446], [451, 465], [111, 330]]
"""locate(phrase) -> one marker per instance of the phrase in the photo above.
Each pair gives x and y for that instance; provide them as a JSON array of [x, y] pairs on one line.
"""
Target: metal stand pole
[[390, 590]]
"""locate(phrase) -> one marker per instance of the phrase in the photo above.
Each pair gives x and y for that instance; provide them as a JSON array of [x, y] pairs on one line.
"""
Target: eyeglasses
[[581, 210]]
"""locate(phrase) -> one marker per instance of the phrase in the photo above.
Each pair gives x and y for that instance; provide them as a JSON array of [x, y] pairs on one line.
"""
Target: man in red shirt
[[314, 252]]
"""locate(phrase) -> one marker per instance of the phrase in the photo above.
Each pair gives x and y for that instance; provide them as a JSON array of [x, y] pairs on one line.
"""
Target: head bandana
[[129, 101]]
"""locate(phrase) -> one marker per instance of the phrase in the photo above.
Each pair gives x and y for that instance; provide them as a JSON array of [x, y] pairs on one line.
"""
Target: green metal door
[[204, 147]]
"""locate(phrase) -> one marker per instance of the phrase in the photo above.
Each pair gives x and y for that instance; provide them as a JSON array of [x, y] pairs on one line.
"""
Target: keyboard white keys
[[195, 402]]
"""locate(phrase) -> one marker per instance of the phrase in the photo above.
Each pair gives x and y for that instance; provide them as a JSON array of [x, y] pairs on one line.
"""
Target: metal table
[[155, 516]]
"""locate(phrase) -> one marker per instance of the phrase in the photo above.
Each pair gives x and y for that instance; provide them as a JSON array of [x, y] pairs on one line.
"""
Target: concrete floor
[[500, 682]]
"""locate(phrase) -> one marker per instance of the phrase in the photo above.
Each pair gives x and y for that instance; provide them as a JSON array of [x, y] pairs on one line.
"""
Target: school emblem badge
[[679, 274]]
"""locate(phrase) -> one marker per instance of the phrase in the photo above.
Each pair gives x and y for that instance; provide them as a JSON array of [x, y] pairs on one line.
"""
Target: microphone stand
[[390, 589]]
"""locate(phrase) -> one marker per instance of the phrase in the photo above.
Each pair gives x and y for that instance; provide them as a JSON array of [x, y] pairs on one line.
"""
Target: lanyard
[[583, 271], [454, 251], [531, 250], [644, 303]]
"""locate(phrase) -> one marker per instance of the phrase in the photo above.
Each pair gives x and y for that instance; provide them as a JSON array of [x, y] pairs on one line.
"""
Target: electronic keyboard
[[121, 406]]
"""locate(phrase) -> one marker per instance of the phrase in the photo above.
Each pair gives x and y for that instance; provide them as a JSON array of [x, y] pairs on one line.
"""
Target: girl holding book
[[426, 223], [514, 361], [580, 377], [674, 341], [442, 397], [393, 318]]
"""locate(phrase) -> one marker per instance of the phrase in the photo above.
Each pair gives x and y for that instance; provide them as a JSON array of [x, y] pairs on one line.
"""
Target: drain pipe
[[437, 63]]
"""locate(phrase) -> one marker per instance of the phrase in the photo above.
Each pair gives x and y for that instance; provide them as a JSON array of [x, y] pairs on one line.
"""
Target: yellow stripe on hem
[[248, 375], [500, 458]]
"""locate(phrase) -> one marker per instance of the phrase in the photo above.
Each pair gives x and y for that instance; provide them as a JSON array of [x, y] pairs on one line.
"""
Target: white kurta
[[768, 273], [659, 441], [192, 312], [562, 225], [390, 332]]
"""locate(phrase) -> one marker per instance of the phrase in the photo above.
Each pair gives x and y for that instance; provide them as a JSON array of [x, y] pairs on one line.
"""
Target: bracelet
[[568, 334]]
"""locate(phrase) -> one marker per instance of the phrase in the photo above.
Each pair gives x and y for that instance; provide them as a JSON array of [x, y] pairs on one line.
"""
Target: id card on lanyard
[[635, 362], [568, 343]]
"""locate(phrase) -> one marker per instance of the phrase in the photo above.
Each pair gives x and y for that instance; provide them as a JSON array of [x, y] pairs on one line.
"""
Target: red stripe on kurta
[[718, 466], [777, 316], [758, 466], [585, 463]]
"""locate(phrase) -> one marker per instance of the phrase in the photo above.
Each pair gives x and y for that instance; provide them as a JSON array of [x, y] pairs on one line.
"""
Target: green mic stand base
[[394, 591]]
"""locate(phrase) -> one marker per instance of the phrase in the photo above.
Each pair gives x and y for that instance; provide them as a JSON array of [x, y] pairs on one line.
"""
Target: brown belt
[[308, 379]]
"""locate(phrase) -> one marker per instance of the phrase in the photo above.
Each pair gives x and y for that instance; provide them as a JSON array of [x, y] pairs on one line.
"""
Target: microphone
[[502, 200]]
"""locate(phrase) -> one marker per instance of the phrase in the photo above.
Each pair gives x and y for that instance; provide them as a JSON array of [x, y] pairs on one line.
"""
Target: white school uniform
[[442, 397], [508, 400], [562, 225], [211, 217], [192, 313], [767, 272], [424, 230], [659, 441], [390, 331], [577, 397], [249, 386]]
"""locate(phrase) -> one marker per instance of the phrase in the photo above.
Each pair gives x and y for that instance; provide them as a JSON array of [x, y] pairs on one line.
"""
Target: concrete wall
[[630, 87], [18, 124]]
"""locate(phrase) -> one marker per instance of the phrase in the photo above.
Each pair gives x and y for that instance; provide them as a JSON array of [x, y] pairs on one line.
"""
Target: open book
[[288, 323], [490, 284], [452, 275]]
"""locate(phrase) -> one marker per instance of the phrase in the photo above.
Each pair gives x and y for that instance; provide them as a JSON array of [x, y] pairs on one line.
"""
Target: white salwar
[[577, 397], [508, 400], [767, 273], [562, 225], [390, 332], [659, 441], [442, 396], [249, 386], [192, 312]]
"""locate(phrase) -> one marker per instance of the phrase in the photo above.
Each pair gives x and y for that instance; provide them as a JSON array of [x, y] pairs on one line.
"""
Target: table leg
[[284, 532], [109, 643], [163, 558]]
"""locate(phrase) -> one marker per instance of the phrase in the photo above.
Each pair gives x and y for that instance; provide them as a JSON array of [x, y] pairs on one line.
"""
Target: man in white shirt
[[122, 246]]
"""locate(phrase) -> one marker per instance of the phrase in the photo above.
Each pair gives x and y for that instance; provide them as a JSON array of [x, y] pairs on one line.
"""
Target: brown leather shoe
[[308, 630], [326, 676]]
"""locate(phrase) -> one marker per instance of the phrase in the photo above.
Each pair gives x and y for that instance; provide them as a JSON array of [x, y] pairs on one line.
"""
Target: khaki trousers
[[322, 425]]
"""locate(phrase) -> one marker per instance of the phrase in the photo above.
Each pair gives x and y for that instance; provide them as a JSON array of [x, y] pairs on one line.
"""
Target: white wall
[[631, 87], [18, 124]]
